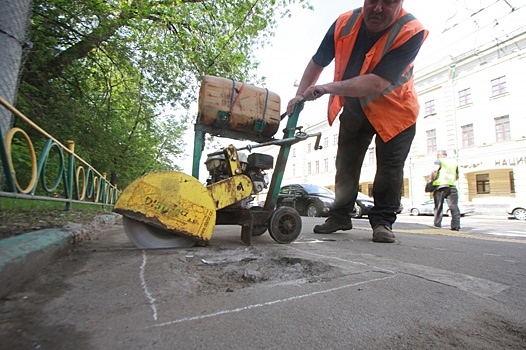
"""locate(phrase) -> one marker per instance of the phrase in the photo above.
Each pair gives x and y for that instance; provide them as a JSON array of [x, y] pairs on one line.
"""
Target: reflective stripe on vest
[[350, 23], [393, 33]]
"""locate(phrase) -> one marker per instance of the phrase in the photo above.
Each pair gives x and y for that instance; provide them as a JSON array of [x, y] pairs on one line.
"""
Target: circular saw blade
[[149, 237]]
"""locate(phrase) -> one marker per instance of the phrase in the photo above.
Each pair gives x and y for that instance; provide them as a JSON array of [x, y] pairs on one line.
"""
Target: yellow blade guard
[[179, 203]]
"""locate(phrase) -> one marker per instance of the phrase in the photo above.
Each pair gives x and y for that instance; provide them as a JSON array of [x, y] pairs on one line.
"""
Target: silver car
[[518, 211], [427, 208]]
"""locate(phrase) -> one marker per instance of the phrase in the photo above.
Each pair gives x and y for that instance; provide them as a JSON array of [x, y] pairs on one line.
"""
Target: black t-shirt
[[390, 68]]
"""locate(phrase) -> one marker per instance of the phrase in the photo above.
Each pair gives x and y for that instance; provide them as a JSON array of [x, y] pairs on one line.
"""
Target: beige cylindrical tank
[[230, 105]]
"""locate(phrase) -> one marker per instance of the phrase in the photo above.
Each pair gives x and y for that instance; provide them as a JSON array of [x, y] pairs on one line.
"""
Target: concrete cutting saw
[[170, 209]]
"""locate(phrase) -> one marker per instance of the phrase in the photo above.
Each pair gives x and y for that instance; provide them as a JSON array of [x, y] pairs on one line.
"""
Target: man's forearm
[[310, 77], [363, 85]]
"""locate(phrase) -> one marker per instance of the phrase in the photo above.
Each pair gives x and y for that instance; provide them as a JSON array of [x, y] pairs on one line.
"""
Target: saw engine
[[170, 209], [253, 166]]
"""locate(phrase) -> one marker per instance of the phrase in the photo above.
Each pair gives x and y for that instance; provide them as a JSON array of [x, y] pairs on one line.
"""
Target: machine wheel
[[258, 230], [285, 225], [149, 237], [415, 212], [312, 210], [519, 214], [357, 212]]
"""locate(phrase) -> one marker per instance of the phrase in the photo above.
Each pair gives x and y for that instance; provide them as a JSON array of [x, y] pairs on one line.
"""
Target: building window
[[293, 170], [502, 129], [335, 139], [326, 165], [326, 142], [371, 156], [308, 147], [464, 97], [512, 182], [309, 170], [498, 86], [430, 107], [293, 152], [467, 136], [334, 162], [482, 183], [431, 141], [317, 167]]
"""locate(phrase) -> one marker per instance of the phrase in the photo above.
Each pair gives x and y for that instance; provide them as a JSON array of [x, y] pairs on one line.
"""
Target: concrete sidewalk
[[23, 256], [432, 289]]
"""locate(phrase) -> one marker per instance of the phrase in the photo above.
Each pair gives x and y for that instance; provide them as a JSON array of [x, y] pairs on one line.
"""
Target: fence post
[[71, 173]]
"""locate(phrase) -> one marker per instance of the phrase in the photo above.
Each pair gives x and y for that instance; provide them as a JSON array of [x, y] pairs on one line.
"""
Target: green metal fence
[[75, 181]]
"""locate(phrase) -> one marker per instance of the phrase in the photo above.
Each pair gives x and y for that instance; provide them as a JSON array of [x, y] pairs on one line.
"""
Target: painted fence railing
[[76, 180]]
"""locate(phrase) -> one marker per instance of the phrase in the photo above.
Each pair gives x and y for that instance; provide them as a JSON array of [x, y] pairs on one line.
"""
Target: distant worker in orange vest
[[373, 48]]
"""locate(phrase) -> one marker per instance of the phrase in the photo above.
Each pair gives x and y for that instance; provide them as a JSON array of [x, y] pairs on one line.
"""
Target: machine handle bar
[[300, 136]]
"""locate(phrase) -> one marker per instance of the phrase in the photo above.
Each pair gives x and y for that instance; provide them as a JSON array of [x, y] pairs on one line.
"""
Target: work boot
[[383, 234], [332, 225]]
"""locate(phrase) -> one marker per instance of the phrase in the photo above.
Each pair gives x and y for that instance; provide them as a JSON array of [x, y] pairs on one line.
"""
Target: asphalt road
[[432, 289]]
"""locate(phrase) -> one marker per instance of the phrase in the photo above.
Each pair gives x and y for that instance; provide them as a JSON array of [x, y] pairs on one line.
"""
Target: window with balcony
[[464, 97], [467, 136], [430, 108], [498, 86], [325, 142], [326, 165], [482, 183], [431, 136], [502, 129]]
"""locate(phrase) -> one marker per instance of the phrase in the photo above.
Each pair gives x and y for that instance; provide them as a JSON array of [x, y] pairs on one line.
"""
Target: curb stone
[[23, 256]]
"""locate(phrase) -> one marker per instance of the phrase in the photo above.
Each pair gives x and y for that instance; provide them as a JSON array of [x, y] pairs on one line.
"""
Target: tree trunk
[[14, 27], [14, 21]]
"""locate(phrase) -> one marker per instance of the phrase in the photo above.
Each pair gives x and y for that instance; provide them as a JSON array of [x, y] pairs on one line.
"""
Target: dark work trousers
[[356, 134], [451, 196]]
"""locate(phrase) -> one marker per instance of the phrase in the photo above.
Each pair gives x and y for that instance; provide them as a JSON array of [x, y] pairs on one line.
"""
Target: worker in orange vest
[[373, 48]]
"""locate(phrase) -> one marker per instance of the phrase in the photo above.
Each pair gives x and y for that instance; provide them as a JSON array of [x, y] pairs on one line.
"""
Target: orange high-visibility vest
[[396, 108]]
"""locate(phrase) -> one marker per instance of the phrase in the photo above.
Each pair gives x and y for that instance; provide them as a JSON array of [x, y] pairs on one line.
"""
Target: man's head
[[441, 154], [380, 14]]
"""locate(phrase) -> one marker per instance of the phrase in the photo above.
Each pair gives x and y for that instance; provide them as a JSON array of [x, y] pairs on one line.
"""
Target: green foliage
[[103, 73]]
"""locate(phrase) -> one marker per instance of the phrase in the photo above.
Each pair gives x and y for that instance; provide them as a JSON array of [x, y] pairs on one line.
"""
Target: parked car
[[518, 211], [362, 206], [313, 200], [427, 208], [308, 200], [364, 203]]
